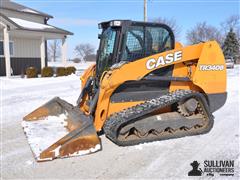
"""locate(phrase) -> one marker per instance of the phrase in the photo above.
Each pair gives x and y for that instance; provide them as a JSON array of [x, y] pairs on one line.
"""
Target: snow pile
[[43, 133], [71, 63], [29, 24]]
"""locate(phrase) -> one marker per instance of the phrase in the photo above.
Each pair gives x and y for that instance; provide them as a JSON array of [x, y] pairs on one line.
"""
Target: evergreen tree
[[231, 45]]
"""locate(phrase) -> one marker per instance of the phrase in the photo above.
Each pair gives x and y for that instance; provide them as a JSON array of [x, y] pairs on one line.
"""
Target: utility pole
[[145, 10]]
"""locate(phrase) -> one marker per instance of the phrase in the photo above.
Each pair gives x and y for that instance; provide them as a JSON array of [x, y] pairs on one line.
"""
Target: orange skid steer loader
[[144, 87]]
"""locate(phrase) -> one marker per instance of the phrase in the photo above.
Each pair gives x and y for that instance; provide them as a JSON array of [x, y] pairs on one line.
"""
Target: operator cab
[[125, 40]]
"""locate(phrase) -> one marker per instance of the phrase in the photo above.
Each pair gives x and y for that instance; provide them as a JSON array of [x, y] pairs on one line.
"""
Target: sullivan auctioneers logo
[[212, 167]]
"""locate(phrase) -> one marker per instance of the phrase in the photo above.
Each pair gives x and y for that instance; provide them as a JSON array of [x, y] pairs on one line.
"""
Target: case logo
[[168, 59]]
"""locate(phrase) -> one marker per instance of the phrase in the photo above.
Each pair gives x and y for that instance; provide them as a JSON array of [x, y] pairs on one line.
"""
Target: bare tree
[[53, 50], [91, 58], [232, 22], [84, 50], [203, 32], [171, 23]]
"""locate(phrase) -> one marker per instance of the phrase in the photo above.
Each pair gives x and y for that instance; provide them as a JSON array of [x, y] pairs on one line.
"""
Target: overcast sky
[[81, 16]]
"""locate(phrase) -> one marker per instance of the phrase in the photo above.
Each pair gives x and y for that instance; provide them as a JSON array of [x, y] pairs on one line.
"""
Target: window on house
[[2, 48], [11, 48]]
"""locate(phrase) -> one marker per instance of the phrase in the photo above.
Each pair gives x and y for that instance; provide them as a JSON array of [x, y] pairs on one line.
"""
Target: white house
[[23, 35]]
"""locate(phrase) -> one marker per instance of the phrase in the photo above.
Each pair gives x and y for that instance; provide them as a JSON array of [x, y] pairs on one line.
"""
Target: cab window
[[134, 46], [145, 41], [157, 40]]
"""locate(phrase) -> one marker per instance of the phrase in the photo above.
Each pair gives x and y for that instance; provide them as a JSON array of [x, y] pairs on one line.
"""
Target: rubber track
[[122, 118]]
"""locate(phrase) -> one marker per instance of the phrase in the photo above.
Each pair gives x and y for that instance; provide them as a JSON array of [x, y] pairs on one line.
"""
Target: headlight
[[115, 23]]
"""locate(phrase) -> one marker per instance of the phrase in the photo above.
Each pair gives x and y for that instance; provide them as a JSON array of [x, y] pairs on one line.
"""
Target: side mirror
[[99, 36]]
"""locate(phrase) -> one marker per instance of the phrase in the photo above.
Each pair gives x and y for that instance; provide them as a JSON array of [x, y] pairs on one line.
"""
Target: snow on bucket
[[57, 129]]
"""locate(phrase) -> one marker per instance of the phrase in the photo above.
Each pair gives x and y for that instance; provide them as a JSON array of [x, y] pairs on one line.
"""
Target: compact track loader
[[144, 87]]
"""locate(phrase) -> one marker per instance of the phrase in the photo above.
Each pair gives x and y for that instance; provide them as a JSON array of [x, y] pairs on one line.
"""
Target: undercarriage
[[139, 124]]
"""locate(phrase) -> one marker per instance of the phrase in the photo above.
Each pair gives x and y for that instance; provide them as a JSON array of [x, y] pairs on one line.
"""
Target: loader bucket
[[58, 129]]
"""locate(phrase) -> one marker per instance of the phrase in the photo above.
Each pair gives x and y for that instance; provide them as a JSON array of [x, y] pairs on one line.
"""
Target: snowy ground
[[166, 159], [79, 66]]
